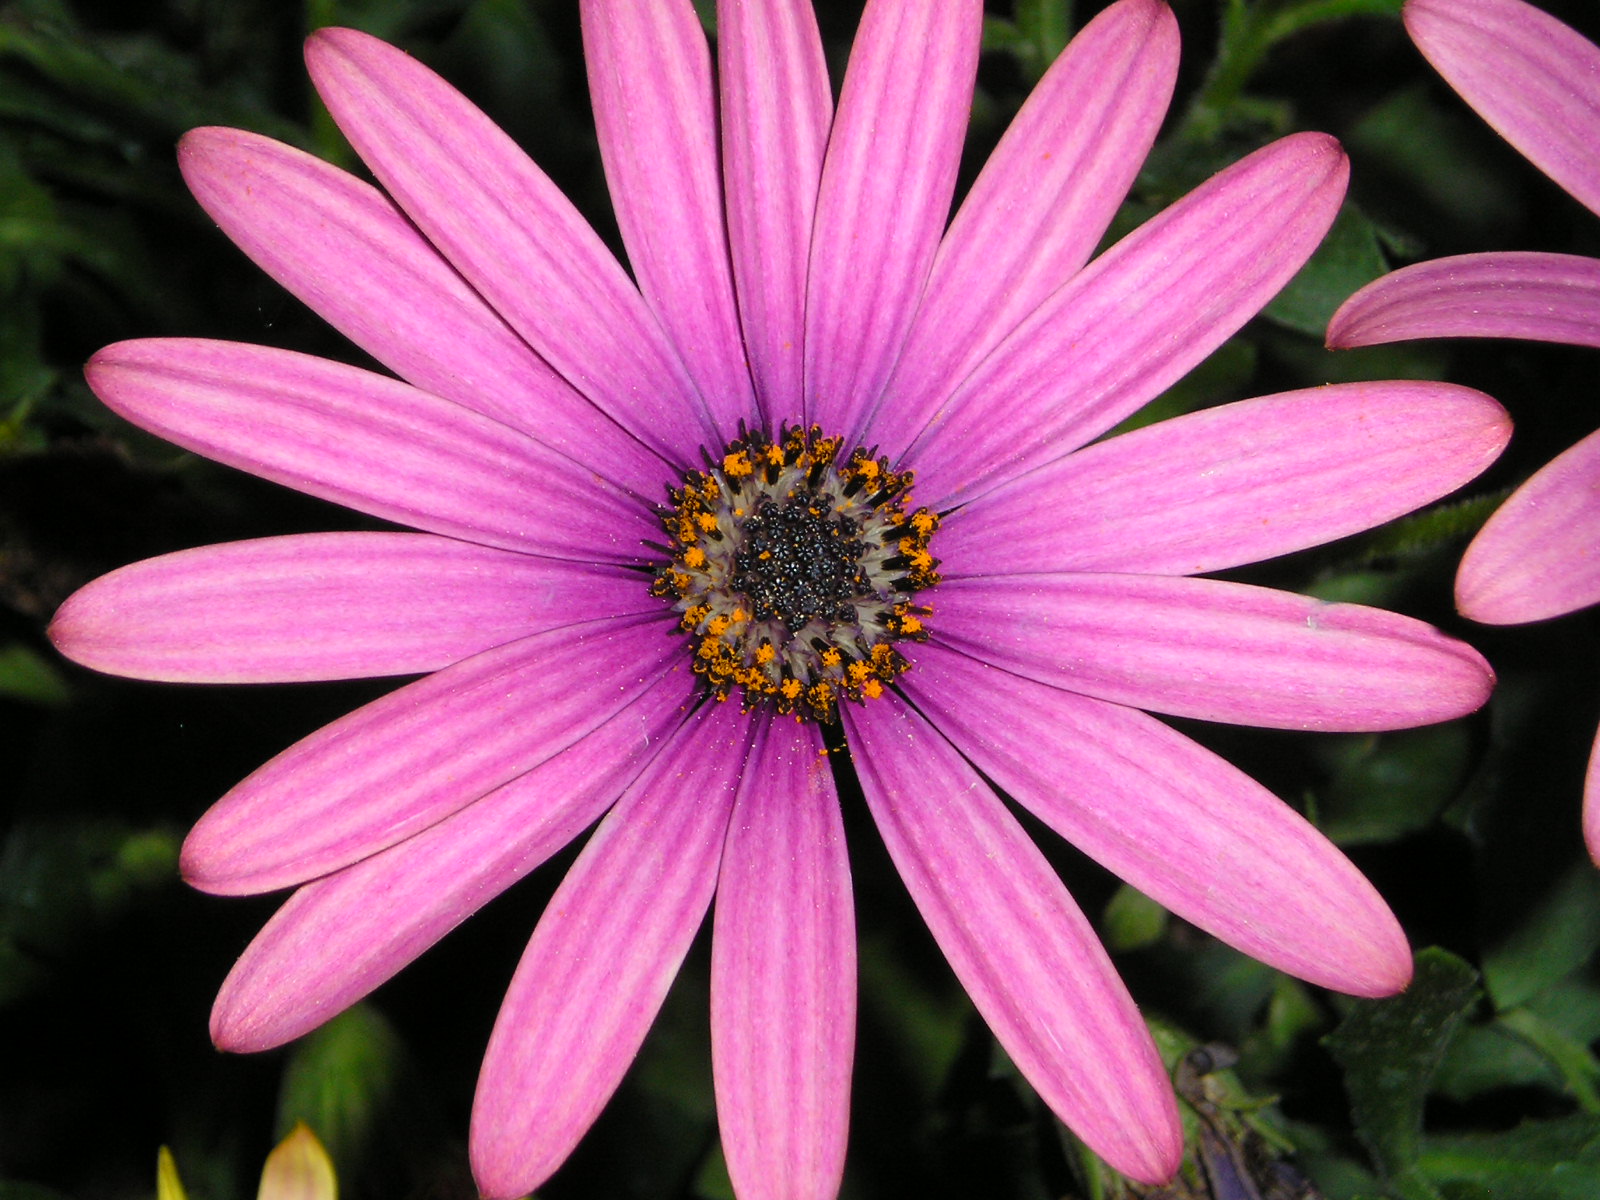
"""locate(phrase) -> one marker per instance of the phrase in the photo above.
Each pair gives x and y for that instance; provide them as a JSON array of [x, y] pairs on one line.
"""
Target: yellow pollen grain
[[718, 626], [924, 522], [830, 657], [765, 653], [790, 688], [694, 557], [737, 464], [706, 521], [775, 455], [872, 689], [910, 625]]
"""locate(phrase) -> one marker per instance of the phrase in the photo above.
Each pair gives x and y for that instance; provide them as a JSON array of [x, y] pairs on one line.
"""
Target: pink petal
[[1134, 321], [783, 976], [370, 443], [408, 760], [1539, 555], [655, 114], [510, 232], [603, 955], [1591, 804], [338, 938], [344, 249], [1233, 485], [1172, 819], [1531, 77], [1019, 945], [1043, 201], [886, 189], [1214, 650], [776, 109], [1538, 297], [326, 606]]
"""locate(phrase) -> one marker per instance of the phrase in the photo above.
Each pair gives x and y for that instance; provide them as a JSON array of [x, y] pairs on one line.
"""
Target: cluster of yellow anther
[[795, 569]]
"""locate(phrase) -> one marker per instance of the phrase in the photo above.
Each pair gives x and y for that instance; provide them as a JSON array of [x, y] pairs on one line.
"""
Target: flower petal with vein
[[636, 493], [1537, 81]]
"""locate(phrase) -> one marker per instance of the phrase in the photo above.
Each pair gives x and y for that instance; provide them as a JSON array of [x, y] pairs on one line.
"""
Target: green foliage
[[1389, 1051], [1395, 1053], [25, 674], [61, 880], [1133, 920], [1349, 258], [1382, 787], [1556, 937], [341, 1081], [1538, 1160], [1038, 31]]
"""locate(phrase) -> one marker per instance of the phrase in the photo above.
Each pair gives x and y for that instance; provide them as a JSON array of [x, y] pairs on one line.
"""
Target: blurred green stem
[[1249, 32]]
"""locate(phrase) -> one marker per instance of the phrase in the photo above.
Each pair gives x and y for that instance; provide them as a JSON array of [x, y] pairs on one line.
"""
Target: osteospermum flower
[[1537, 82], [820, 478]]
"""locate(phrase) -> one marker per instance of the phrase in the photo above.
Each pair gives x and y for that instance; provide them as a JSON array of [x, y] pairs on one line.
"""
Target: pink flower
[[1538, 83], [797, 272]]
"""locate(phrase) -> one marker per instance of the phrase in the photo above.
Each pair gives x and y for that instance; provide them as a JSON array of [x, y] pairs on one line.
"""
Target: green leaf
[[1132, 920], [1578, 1068], [1384, 786], [1348, 258], [27, 675], [1383, 565], [1046, 26], [1538, 1160], [1291, 1014], [1445, 526], [1486, 1057], [61, 878], [136, 83], [1222, 376], [1389, 1051], [1438, 156], [928, 1027], [1557, 935], [1039, 33]]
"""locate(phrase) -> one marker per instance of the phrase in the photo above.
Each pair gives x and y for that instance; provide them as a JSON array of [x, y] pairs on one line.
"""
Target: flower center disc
[[794, 569]]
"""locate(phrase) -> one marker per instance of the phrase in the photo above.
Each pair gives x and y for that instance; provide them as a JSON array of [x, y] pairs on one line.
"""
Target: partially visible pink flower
[[792, 265], [1537, 81]]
